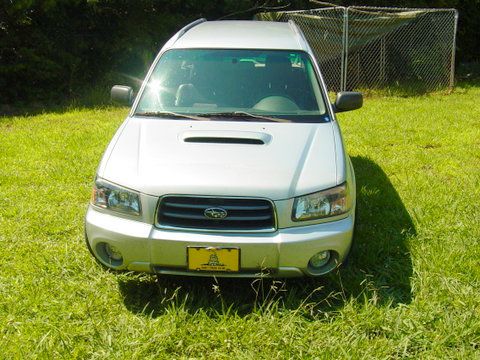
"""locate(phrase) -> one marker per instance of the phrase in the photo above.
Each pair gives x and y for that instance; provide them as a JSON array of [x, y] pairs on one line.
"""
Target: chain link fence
[[376, 48]]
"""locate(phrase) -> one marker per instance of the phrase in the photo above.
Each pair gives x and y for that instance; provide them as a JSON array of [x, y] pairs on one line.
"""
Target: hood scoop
[[226, 137]]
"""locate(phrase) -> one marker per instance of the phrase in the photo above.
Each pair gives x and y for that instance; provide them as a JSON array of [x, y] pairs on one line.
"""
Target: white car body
[[152, 158]]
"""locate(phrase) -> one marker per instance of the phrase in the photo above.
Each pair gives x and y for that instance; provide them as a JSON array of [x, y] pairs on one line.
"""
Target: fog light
[[113, 253], [319, 259]]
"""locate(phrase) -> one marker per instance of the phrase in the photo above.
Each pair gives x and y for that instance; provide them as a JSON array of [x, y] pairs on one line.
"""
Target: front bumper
[[284, 253]]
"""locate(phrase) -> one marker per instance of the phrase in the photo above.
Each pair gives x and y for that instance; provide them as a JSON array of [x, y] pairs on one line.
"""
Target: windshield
[[252, 84]]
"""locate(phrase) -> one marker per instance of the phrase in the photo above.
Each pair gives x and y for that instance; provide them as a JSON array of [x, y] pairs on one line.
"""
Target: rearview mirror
[[122, 94], [348, 100]]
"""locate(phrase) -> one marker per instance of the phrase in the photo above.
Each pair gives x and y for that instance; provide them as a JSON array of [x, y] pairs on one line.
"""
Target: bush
[[52, 50]]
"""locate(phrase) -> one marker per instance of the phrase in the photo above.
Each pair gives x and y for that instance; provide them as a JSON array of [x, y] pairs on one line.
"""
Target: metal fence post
[[344, 70], [454, 45]]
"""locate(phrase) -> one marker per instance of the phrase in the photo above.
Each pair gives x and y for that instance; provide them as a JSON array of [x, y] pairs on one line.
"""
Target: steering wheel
[[276, 103]]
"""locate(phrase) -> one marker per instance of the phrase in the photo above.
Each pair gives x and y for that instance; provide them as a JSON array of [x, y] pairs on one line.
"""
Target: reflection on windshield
[[280, 84]]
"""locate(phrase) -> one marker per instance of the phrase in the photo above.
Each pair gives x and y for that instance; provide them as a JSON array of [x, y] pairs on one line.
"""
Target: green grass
[[411, 289]]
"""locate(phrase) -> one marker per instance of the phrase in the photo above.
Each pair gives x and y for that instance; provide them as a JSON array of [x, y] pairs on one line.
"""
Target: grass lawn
[[411, 289]]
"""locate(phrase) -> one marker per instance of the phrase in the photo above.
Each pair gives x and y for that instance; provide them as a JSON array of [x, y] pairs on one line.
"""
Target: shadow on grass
[[378, 271]]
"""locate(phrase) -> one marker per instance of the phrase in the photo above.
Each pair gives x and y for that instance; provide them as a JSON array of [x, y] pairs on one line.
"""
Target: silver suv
[[230, 163]]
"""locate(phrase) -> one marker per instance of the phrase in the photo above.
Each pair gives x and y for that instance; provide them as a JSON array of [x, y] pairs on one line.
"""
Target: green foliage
[[411, 289], [51, 50]]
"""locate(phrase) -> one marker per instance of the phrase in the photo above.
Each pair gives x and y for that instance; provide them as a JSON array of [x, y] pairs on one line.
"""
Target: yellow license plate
[[213, 259]]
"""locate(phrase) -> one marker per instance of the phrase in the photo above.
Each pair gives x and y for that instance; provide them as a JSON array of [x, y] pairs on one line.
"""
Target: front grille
[[188, 212]]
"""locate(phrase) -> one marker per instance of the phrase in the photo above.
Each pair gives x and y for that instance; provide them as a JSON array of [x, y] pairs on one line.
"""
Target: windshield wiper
[[208, 116], [241, 114], [170, 114]]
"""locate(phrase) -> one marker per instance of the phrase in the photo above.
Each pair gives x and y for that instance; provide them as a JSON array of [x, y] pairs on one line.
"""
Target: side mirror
[[122, 94], [348, 100]]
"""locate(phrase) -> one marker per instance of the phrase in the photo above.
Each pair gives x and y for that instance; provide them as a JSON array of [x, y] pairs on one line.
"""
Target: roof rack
[[189, 26], [180, 33], [300, 35]]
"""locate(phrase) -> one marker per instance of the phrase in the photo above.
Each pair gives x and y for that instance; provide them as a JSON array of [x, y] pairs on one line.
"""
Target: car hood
[[229, 158]]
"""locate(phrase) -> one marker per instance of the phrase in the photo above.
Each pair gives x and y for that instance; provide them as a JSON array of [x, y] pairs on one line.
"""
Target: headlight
[[330, 202], [114, 198]]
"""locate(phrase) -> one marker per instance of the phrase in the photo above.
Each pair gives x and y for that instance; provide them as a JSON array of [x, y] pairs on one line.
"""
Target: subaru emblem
[[215, 213]]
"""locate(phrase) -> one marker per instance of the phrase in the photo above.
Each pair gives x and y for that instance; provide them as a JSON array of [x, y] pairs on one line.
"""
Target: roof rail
[[302, 40], [189, 26], [180, 33]]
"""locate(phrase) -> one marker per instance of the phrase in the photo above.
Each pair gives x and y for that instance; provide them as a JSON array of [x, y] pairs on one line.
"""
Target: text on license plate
[[213, 259]]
